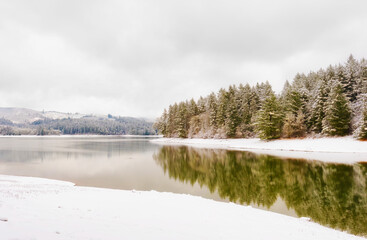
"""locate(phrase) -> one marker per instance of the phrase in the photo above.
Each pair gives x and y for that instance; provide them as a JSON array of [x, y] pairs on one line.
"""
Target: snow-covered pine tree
[[269, 120], [246, 99], [182, 120], [232, 118], [351, 72], [222, 107], [294, 125], [161, 124], [362, 80], [337, 112], [212, 109], [294, 121], [192, 108], [172, 120], [362, 134], [318, 109], [263, 91], [201, 105]]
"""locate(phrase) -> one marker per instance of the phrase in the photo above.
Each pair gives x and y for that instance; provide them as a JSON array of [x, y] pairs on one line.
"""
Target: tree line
[[86, 125], [331, 102]]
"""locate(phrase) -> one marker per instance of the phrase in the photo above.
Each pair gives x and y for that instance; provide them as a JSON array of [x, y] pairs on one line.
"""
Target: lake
[[333, 195]]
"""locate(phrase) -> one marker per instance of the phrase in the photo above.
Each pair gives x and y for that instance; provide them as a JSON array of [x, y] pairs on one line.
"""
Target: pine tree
[[201, 105], [263, 90], [351, 75], [232, 118], [362, 80], [161, 124], [294, 122], [172, 120], [363, 128], [318, 111], [192, 108], [337, 112], [222, 107], [294, 125], [182, 120], [244, 102], [269, 120], [212, 109]]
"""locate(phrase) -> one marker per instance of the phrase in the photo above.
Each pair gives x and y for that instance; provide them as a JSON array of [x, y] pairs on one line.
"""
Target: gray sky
[[134, 58]]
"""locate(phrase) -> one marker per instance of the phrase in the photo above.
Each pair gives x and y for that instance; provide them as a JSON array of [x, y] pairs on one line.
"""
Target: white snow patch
[[339, 149], [51, 209]]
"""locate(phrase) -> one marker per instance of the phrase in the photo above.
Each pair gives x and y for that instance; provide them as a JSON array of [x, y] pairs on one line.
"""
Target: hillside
[[22, 121]]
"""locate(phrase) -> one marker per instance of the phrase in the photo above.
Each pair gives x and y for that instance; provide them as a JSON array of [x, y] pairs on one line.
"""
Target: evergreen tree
[[318, 111], [269, 120], [172, 120], [201, 105], [363, 128], [263, 90], [161, 123], [294, 125], [192, 108], [351, 78], [293, 102], [222, 107], [182, 120], [362, 79], [212, 108], [232, 118], [337, 113], [245, 98]]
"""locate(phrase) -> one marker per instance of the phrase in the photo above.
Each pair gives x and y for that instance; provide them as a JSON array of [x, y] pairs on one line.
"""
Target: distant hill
[[25, 115], [23, 121], [20, 115]]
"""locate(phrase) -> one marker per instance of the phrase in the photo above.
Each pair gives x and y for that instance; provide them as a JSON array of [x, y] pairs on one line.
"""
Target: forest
[[85, 125], [327, 102]]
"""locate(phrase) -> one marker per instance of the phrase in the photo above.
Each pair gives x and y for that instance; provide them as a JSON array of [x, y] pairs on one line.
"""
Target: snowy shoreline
[[339, 149], [78, 136], [35, 208]]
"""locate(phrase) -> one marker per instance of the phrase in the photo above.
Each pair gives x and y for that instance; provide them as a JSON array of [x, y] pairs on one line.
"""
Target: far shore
[[328, 149], [84, 135]]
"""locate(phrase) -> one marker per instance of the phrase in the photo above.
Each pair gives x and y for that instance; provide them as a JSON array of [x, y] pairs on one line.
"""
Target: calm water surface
[[333, 195]]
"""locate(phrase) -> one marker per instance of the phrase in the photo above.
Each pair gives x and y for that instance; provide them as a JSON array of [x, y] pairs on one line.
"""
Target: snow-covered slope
[[20, 115], [24, 115], [32, 208]]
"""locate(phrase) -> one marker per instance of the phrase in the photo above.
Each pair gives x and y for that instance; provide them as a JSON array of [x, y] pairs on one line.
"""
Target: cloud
[[137, 57]]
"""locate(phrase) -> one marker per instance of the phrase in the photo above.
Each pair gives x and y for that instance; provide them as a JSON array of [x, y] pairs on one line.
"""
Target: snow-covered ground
[[34, 208], [338, 149]]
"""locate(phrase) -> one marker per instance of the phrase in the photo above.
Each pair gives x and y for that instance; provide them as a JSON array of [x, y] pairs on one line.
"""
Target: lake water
[[333, 195]]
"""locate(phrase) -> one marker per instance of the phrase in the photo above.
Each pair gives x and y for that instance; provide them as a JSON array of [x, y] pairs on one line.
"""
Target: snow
[[33, 208], [339, 149]]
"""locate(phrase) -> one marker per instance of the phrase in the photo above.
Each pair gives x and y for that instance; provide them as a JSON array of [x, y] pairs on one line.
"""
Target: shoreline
[[78, 135], [346, 150], [50, 209]]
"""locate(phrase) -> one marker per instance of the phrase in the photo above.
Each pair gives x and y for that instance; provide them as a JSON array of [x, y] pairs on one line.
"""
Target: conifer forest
[[327, 102]]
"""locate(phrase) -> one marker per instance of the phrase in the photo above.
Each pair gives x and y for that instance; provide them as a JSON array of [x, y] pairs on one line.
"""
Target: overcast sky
[[134, 58]]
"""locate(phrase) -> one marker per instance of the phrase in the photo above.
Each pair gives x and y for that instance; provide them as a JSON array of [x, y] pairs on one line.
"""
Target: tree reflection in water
[[333, 195]]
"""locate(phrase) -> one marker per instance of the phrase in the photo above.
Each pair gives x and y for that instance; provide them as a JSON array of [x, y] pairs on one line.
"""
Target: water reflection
[[103, 161], [334, 195]]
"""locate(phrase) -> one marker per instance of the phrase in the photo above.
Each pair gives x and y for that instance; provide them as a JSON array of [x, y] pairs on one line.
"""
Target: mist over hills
[[23, 121]]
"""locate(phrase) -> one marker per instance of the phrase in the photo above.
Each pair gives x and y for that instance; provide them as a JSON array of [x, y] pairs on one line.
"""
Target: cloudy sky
[[134, 58]]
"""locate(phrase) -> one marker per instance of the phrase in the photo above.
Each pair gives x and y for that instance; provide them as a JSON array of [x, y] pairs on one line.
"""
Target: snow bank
[[32, 208], [340, 149]]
